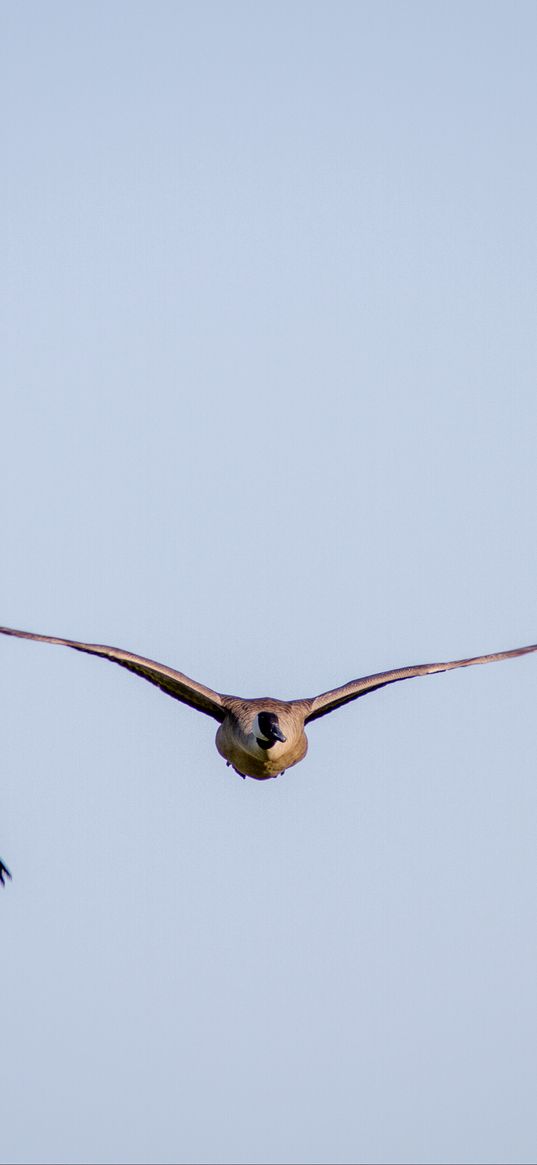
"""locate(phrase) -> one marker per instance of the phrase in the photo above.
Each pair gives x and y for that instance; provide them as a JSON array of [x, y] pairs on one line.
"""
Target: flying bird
[[263, 737]]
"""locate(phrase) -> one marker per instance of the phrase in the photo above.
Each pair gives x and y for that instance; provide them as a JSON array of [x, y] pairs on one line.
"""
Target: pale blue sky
[[269, 415]]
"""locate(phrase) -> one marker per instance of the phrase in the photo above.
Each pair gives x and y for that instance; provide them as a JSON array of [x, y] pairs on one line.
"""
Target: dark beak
[[278, 735]]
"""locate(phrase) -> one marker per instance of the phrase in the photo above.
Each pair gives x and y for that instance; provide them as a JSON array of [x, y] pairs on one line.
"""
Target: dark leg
[[230, 766], [4, 873]]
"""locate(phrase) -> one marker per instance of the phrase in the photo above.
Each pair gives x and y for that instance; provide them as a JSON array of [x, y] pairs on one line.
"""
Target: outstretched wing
[[174, 683], [328, 701]]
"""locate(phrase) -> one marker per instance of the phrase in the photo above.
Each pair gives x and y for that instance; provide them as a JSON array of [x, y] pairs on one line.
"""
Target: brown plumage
[[260, 738]]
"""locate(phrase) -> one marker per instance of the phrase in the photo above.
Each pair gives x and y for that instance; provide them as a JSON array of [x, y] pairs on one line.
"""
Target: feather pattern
[[170, 681], [337, 697]]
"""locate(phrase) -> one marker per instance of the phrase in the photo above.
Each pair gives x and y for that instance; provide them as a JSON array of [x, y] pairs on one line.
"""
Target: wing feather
[[337, 697], [170, 681]]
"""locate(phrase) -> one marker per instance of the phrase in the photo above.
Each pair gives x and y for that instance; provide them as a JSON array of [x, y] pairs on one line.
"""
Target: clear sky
[[268, 403]]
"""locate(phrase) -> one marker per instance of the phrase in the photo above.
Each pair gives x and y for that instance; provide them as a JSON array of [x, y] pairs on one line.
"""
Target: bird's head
[[267, 730]]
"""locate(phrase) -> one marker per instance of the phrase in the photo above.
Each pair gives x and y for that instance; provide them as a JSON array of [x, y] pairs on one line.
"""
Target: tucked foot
[[230, 766], [4, 873]]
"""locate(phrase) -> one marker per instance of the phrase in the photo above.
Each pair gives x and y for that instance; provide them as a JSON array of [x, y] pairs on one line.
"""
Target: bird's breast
[[241, 750]]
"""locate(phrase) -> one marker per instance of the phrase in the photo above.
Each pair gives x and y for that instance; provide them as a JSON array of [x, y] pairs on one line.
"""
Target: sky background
[[269, 415]]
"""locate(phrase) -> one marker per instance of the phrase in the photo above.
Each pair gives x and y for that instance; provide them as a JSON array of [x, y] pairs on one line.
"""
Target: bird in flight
[[262, 737]]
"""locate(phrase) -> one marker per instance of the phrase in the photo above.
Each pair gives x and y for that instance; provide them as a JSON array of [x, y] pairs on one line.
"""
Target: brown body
[[237, 738], [263, 737], [260, 738]]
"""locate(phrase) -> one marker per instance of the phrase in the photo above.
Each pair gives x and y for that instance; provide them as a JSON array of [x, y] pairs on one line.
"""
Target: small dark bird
[[263, 737]]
